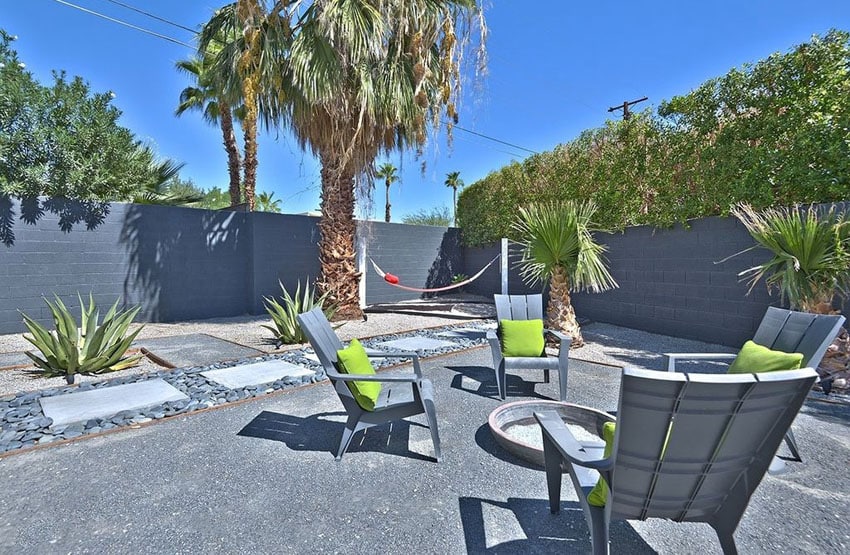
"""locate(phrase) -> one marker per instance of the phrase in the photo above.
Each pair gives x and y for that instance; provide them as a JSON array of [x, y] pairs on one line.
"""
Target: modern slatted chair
[[687, 447], [527, 307], [788, 331], [401, 395]]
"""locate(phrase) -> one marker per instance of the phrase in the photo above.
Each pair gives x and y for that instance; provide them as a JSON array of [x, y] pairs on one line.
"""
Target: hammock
[[393, 280]]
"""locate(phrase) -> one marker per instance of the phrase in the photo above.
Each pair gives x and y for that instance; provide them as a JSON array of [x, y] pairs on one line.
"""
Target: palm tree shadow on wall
[[448, 263], [33, 209], [185, 263]]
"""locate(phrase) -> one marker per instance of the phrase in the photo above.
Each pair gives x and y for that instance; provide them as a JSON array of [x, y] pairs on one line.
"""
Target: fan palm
[[454, 181], [205, 97], [558, 245], [387, 172], [267, 203], [810, 254], [351, 80]]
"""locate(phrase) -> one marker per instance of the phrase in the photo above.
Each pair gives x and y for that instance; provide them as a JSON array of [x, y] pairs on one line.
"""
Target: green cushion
[[353, 360], [599, 494], [755, 358], [522, 338]]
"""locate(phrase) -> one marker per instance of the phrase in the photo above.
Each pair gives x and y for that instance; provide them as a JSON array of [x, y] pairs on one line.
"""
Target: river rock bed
[[23, 425]]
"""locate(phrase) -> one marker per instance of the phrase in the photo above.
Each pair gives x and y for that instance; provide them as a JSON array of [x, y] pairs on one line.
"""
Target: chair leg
[[600, 538], [563, 369], [727, 541], [501, 381], [351, 428], [545, 375], [792, 445], [552, 462], [431, 415]]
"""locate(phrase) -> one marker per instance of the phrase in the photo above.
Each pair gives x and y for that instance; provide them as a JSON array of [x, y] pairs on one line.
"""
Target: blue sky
[[555, 68]]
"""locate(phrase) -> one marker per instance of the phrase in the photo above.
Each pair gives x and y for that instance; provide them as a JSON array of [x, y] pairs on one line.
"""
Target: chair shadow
[[484, 440], [319, 432], [486, 379], [565, 532]]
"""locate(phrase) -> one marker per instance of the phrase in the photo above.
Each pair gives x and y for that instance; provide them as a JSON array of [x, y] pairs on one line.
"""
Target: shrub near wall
[[770, 133]]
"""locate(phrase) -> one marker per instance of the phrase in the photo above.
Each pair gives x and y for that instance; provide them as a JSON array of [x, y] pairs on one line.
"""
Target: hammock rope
[[394, 281]]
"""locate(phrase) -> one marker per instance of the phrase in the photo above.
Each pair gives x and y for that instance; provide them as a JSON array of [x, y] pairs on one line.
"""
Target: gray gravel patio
[[259, 477]]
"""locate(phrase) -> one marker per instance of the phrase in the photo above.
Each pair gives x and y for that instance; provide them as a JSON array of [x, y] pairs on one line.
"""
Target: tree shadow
[[448, 263], [486, 521], [33, 209], [322, 432]]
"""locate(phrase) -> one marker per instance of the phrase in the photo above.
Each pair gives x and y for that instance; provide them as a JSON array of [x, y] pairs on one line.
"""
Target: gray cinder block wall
[[671, 282], [186, 264]]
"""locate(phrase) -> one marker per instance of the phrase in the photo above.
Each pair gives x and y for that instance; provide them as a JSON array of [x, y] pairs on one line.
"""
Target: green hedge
[[773, 133]]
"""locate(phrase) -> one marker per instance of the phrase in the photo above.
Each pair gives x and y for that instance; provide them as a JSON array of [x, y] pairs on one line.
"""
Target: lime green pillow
[[755, 358], [354, 360], [599, 494], [522, 338]]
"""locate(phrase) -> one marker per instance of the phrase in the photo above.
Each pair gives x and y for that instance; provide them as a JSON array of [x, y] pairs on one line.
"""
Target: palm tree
[[454, 181], [209, 100], [557, 245], [810, 254], [388, 172], [351, 80], [267, 203]]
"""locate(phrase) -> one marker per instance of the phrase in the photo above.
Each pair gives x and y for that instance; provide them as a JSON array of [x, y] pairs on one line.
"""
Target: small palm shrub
[[90, 347], [810, 254], [285, 327]]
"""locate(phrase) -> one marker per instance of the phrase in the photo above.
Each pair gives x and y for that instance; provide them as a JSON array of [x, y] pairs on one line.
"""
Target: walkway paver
[[415, 343], [257, 373], [107, 401]]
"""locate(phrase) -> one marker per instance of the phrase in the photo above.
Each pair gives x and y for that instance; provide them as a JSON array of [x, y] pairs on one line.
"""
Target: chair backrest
[[798, 332], [519, 307], [321, 336], [691, 446]]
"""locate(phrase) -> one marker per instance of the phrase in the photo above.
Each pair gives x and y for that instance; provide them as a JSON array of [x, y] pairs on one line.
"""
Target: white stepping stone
[[237, 377], [416, 343], [464, 333], [107, 401]]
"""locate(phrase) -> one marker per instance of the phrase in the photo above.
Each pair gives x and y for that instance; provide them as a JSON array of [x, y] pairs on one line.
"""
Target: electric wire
[[153, 16]]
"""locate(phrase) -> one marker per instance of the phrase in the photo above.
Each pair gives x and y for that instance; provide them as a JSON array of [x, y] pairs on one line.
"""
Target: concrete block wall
[[421, 256]]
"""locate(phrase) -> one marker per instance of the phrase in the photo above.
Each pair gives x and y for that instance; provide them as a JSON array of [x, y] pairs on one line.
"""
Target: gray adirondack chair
[[784, 330], [401, 395], [687, 447], [527, 307]]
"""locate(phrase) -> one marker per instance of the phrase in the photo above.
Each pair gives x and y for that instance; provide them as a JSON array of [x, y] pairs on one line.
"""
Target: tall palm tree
[[351, 79], [388, 172], [557, 244], [454, 181], [205, 97]]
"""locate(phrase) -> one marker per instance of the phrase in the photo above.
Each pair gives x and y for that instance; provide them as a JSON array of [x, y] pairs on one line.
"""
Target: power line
[[153, 16], [176, 41], [124, 23]]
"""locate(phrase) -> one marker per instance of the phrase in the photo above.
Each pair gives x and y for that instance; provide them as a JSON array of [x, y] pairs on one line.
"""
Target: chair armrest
[[399, 354], [555, 429], [373, 377], [673, 357], [564, 340]]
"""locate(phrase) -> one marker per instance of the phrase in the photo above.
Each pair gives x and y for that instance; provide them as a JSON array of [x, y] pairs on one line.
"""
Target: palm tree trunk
[[337, 253], [249, 126], [234, 163], [387, 213], [561, 315], [454, 206]]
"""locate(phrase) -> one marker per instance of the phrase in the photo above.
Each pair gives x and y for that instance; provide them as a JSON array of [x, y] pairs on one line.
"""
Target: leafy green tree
[[558, 246], [387, 172], [267, 203], [206, 97], [215, 199], [352, 80], [454, 181], [440, 216], [65, 141]]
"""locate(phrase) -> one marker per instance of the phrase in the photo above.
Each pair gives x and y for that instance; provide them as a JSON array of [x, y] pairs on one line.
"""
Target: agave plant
[[810, 254], [89, 347], [286, 328], [558, 246]]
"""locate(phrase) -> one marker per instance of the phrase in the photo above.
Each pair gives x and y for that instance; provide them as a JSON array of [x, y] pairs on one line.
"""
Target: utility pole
[[625, 107]]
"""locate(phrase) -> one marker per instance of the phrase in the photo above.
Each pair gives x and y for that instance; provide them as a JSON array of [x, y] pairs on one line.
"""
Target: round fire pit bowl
[[514, 428]]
